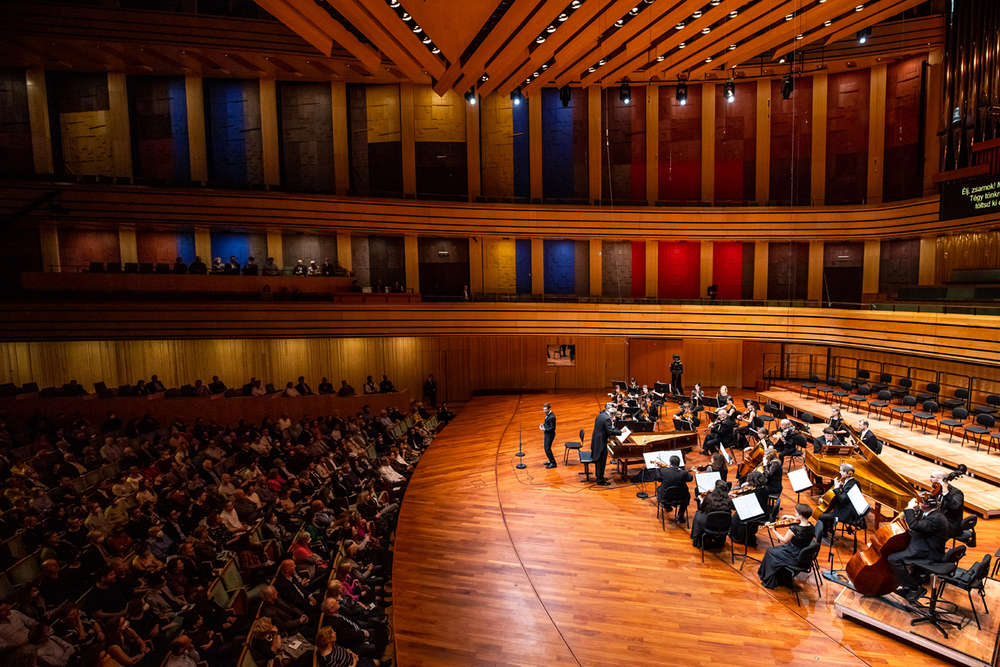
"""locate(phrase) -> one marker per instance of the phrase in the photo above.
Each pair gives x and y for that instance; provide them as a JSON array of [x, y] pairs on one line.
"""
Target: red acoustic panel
[[156, 247], [727, 269], [79, 247], [736, 144], [903, 176], [680, 145], [791, 143], [679, 270], [638, 269], [847, 137]]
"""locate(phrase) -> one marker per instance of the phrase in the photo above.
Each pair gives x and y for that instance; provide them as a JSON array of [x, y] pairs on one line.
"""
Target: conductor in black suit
[[928, 536], [604, 429], [867, 437], [548, 427]]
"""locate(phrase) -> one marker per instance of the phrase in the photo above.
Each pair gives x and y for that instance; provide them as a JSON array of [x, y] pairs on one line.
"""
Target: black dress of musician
[[841, 508], [745, 532], [717, 500], [798, 537], [928, 537], [604, 430]]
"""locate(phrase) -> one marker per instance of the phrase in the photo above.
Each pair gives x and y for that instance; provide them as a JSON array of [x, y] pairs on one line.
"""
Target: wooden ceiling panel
[[452, 26]]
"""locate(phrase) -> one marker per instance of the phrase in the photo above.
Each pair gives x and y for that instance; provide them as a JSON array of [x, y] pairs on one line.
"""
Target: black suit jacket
[[285, 616], [603, 431], [952, 507], [673, 477], [820, 441], [842, 507], [549, 427], [871, 442], [928, 536], [349, 635], [292, 593], [724, 430]]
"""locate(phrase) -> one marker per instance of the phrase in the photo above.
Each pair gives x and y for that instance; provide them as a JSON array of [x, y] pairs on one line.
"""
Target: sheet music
[[662, 457], [747, 506], [857, 499], [726, 455], [706, 480], [800, 480], [625, 433]]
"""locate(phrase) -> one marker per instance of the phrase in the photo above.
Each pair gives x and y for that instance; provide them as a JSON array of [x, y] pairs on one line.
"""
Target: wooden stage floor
[[534, 567]]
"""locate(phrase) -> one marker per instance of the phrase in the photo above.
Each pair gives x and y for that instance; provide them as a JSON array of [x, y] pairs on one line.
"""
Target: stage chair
[[968, 580], [807, 563], [958, 417], [935, 571], [806, 386], [131, 267], [97, 267], [903, 389], [968, 534], [982, 427], [847, 528], [905, 409], [717, 524], [572, 445], [859, 398], [114, 267], [831, 384], [674, 498], [992, 402], [798, 454], [930, 392], [883, 382], [884, 397], [930, 407], [586, 459], [863, 378], [843, 392], [960, 401]]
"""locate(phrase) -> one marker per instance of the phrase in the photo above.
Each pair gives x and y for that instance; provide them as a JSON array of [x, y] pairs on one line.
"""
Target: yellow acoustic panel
[[86, 143], [383, 114], [499, 266], [496, 125], [438, 118]]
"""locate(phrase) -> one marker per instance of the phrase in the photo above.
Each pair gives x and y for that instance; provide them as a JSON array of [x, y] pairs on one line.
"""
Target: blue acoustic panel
[[522, 264], [185, 247], [226, 244], [235, 145], [560, 267], [522, 157], [179, 130]]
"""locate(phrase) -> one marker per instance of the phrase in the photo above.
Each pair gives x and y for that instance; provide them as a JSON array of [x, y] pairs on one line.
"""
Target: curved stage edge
[[534, 567]]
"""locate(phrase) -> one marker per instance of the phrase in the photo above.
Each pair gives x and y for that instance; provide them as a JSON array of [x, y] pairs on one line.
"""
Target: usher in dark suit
[[603, 431], [549, 428]]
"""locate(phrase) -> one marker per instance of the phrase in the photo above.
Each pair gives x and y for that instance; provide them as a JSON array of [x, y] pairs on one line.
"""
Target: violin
[[782, 524]]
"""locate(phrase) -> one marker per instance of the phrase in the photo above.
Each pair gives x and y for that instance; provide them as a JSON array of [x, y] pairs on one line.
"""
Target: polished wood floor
[[534, 567]]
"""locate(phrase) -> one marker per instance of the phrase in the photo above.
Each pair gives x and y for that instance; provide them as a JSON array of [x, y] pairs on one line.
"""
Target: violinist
[[718, 465], [841, 508], [633, 387], [788, 439], [657, 397], [685, 414], [720, 433], [798, 536], [828, 439], [674, 476], [771, 469], [697, 396], [750, 417], [717, 500], [745, 532], [837, 422], [928, 536], [951, 503]]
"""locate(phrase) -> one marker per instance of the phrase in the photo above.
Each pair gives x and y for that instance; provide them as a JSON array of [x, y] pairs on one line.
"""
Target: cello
[[869, 569], [751, 460]]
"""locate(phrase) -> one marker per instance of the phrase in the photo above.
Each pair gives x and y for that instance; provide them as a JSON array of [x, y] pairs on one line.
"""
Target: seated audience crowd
[[229, 268], [130, 567]]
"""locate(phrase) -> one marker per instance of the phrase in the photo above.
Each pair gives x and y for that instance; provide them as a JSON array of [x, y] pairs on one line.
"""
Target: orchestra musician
[[789, 439], [928, 536], [841, 508], [717, 500], [723, 396], [697, 396], [793, 541], [867, 437], [720, 433], [750, 417], [771, 469], [604, 429], [837, 422], [657, 397], [745, 532], [633, 387], [718, 465], [828, 439], [674, 476], [951, 504], [685, 414]]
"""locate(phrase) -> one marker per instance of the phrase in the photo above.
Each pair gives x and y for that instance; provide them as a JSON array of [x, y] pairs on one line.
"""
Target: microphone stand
[[520, 454]]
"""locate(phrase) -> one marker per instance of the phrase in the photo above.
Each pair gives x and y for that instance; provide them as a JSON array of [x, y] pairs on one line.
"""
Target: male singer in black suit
[[928, 537], [548, 427], [604, 429], [867, 437], [841, 508], [674, 476]]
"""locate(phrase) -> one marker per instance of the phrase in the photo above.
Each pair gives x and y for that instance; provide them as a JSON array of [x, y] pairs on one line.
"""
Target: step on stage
[[967, 645]]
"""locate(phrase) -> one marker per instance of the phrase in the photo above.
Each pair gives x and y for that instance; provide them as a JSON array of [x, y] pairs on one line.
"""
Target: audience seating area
[[179, 529]]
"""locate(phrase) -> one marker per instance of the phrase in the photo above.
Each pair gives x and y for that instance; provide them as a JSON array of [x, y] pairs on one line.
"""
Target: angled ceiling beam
[[400, 30], [320, 29], [377, 35], [539, 21], [514, 17], [849, 26], [577, 21]]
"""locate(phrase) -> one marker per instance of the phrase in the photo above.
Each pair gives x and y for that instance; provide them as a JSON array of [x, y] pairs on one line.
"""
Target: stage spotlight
[[565, 96], [864, 34], [515, 96], [787, 86], [730, 90], [682, 93], [625, 94], [470, 96]]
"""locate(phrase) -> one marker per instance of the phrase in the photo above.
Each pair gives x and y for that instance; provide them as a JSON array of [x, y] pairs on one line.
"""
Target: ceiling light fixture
[[565, 95], [705, 31], [682, 93], [470, 96], [515, 96], [864, 34], [730, 91], [406, 17], [733, 14], [859, 8], [625, 93]]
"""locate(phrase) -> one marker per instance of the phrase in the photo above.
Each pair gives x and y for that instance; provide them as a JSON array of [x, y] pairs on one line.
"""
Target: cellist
[[928, 536], [841, 509]]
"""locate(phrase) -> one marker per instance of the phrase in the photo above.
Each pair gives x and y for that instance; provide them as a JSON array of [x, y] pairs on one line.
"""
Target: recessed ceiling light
[[708, 60], [426, 40], [619, 23], [659, 59], [633, 11], [540, 39], [406, 17], [601, 61], [679, 26], [563, 17], [435, 50], [828, 24], [417, 28], [575, 4], [732, 47], [697, 14], [592, 69], [682, 45], [859, 8], [705, 31], [799, 37], [550, 29], [733, 14], [544, 67], [394, 3], [789, 17]]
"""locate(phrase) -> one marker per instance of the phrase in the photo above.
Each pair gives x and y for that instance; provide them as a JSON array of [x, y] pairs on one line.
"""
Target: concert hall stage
[[536, 567]]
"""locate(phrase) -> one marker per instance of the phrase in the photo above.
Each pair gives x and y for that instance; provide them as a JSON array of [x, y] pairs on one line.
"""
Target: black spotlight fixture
[[730, 90], [864, 34], [787, 86], [515, 96], [625, 93], [470, 96], [565, 95], [682, 93]]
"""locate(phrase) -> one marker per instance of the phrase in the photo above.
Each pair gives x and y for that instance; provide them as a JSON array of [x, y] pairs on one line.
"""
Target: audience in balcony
[[325, 387], [299, 269], [270, 268], [218, 267], [385, 386], [198, 267], [345, 389], [251, 268], [181, 267]]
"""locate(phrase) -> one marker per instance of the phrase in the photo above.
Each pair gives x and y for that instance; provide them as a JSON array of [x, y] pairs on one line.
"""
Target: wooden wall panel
[[80, 247], [899, 265], [680, 270], [903, 162], [159, 125], [565, 141], [791, 143], [499, 265], [787, 271], [848, 117], [736, 144], [649, 359], [307, 136], [623, 145], [16, 157], [680, 145]]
